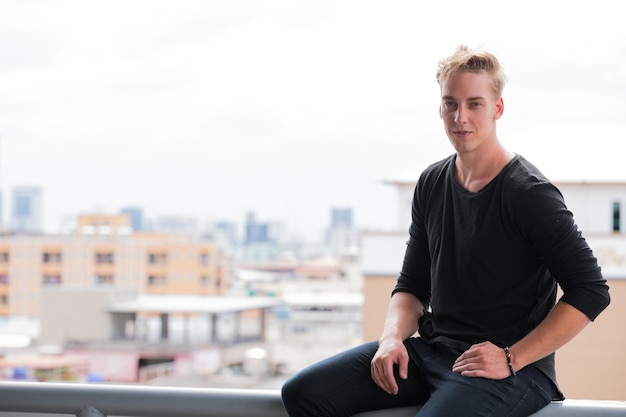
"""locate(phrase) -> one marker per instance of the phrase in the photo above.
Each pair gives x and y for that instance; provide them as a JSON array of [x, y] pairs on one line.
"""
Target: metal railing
[[95, 400]]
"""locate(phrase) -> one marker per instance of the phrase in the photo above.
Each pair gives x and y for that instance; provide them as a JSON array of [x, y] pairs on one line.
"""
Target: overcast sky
[[287, 108]]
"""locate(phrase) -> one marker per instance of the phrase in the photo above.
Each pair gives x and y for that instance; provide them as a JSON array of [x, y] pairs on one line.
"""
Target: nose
[[459, 115]]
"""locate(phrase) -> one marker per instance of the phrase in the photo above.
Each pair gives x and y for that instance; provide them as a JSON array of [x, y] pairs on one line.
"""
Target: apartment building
[[104, 251]]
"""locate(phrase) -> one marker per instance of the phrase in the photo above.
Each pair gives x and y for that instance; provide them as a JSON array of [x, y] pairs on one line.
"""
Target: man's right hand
[[390, 352]]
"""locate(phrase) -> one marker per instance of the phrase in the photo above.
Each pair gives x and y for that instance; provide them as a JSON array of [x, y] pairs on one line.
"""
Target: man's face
[[469, 111]]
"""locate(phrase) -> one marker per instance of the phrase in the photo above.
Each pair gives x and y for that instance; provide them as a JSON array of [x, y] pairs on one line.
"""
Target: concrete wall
[[592, 365], [77, 314], [377, 291]]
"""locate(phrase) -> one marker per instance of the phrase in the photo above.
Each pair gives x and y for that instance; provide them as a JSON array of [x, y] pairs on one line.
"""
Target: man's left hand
[[484, 360]]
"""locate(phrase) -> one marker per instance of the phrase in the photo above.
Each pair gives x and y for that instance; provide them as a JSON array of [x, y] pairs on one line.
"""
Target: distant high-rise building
[[255, 232], [262, 233], [136, 217], [226, 232], [342, 237], [262, 241], [341, 217], [26, 211]]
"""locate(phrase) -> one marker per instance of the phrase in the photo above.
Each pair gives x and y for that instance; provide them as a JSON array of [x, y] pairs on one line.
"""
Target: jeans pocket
[[533, 399]]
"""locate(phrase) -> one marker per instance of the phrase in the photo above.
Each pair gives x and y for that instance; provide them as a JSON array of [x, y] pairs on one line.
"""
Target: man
[[489, 241]]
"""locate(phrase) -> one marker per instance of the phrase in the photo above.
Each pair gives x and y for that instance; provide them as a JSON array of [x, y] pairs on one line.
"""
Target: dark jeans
[[341, 386]]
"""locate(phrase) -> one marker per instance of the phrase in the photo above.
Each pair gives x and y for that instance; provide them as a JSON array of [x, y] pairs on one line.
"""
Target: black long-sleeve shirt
[[488, 263]]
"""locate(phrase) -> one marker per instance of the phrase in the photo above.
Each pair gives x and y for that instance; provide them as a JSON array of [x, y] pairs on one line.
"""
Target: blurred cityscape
[[119, 298]]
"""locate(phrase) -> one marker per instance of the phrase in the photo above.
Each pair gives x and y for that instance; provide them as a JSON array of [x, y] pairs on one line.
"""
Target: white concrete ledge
[[567, 408], [95, 400]]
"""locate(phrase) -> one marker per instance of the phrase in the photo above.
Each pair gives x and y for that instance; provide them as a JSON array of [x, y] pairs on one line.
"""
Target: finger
[[390, 378], [377, 377], [464, 358], [403, 367], [460, 366], [380, 378], [387, 377], [468, 355], [473, 374]]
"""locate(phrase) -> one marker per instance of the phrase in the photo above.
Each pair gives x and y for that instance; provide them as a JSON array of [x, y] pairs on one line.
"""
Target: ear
[[499, 108]]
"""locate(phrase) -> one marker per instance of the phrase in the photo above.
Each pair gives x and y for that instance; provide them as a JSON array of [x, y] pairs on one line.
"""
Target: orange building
[[104, 251]]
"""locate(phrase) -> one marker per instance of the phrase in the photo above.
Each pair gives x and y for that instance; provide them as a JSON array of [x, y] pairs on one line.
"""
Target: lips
[[461, 133]]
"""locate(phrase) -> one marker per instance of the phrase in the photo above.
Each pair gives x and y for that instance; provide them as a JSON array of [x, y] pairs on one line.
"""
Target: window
[[52, 279], [157, 258], [157, 281], [104, 279], [4, 257], [4, 279], [51, 257], [616, 216], [204, 258], [4, 299], [104, 258]]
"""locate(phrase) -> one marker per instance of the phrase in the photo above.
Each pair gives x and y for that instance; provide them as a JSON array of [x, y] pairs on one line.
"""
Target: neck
[[473, 171]]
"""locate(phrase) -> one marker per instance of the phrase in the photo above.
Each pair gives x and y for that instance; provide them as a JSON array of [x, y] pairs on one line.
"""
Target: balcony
[[30, 399]]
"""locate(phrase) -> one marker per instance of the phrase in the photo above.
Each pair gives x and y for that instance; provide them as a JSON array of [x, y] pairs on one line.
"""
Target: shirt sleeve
[[414, 277], [558, 241]]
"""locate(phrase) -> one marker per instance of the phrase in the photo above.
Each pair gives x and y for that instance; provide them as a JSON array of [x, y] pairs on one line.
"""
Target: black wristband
[[509, 362]]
